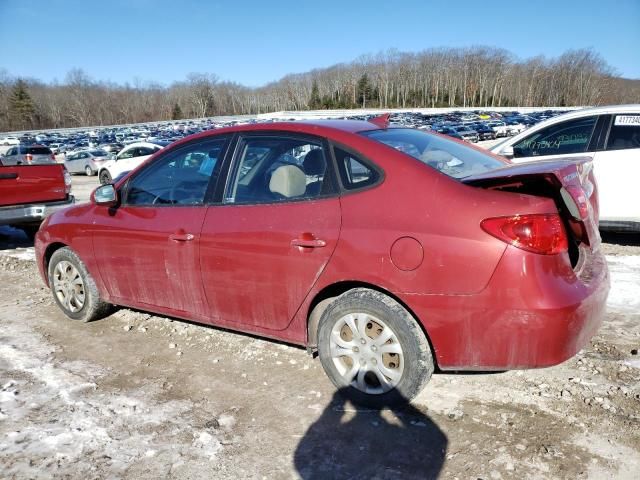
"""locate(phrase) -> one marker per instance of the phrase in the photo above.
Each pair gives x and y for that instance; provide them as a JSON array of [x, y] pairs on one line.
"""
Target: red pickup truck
[[28, 193]]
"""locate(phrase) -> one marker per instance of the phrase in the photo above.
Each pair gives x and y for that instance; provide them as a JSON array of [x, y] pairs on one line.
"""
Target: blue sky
[[254, 42]]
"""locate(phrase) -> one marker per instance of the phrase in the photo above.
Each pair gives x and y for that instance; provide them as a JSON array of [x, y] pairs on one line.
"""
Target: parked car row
[[599, 134]]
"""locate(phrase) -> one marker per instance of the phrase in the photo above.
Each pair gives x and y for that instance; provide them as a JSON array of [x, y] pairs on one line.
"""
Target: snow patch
[[625, 283], [27, 254], [54, 415]]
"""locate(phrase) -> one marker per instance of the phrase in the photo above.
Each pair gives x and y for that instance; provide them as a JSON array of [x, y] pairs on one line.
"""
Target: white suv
[[610, 136]]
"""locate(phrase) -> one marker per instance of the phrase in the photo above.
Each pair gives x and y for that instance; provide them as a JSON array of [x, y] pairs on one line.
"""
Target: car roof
[[140, 144], [350, 126], [586, 112], [326, 128]]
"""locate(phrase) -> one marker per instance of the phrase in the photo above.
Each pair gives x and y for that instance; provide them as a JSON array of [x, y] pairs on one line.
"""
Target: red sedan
[[389, 251]]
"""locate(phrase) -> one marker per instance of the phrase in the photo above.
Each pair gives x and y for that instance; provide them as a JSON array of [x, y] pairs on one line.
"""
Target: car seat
[[314, 165]]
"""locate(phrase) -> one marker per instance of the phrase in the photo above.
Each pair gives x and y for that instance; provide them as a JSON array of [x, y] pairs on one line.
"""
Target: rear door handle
[[308, 243], [181, 237], [8, 176]]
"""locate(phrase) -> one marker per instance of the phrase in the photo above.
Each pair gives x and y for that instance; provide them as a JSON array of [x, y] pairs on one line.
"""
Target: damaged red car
[[391, 252]]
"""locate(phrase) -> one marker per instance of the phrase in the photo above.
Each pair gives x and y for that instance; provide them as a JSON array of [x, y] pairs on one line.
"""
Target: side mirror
[[507, 151], [106, 195]]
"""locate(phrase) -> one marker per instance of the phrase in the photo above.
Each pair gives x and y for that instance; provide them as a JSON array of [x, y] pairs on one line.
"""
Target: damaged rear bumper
[[536, 312]]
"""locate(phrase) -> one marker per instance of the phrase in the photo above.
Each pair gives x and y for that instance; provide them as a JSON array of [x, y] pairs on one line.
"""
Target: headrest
[[314, 163], [289, 181], [436, 156]]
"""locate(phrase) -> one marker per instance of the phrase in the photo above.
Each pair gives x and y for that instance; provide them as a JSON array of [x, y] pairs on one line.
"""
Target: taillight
[[537, 233], [29, 158], [53, 157], [67, 181]]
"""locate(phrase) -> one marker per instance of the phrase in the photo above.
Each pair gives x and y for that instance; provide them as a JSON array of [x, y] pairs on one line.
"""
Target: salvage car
[[28, 193], [29, 155], [127, 159], [388, 251], [86, 161], [611, 137]]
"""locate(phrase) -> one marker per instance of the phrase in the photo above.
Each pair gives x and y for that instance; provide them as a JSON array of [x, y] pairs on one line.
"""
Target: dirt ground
[[141, 396]]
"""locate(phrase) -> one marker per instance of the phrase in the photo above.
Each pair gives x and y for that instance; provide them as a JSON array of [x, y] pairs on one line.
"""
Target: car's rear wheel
[[88, 171], [73, 288], [373, 350], [105, 177]]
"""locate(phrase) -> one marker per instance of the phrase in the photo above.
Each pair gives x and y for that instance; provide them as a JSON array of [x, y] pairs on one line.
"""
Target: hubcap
[[367, 353], [68, 286]]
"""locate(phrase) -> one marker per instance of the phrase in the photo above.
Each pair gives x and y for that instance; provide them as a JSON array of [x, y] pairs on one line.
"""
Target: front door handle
[[181, 236], [308, 243]]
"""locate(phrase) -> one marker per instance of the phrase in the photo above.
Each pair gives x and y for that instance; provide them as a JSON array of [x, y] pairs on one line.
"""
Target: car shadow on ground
[[11, 238], [349, 442]]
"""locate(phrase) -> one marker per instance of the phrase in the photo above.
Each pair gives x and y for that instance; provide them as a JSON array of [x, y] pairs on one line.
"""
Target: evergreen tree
[[176, 114], [315, 102], [364, 90], [21, 108]]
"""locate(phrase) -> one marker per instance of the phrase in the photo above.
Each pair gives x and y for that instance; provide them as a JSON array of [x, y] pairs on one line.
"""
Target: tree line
[[481, 77]]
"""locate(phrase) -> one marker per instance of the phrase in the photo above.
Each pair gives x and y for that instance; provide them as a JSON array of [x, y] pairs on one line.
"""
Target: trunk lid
[[27, 184], [570, 182]]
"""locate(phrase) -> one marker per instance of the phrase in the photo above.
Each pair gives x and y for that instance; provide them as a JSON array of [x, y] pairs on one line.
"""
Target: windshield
[[449, 157], [99, 153]]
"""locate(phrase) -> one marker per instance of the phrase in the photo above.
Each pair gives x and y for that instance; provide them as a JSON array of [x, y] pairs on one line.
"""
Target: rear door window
[[278, 168], [563, 138], [624, 133], [146, 151], [39, 150]]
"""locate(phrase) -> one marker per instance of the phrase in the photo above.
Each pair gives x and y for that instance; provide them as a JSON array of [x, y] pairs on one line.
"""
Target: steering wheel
[[184, 194]]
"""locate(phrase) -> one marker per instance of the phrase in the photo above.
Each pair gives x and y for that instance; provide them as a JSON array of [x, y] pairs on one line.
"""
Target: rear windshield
[[99, 153], [39, 150], [451, 158]]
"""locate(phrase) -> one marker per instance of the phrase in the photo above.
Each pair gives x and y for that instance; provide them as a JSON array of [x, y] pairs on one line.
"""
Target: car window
[[353, 172], [146, 151], [562, 138], [275, 169], [447, 156], [39, 150], [127, 154], [625, 133], [179, 178]]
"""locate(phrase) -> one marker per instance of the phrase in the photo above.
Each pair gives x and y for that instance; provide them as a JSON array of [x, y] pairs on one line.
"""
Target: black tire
[[105, 177], [93, 307], [88, 172], [417, 360]]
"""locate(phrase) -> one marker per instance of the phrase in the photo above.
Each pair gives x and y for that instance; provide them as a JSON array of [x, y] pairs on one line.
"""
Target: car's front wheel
[[74, 290], [373, 350], [88, 171]]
